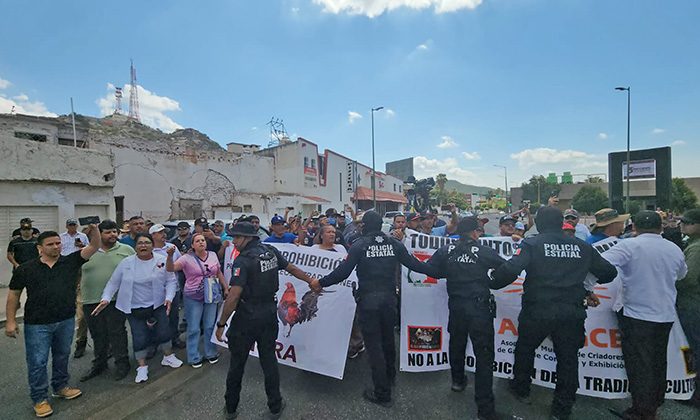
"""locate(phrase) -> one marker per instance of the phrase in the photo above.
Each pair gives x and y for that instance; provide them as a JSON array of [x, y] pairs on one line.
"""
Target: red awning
[[367, 194], [316, 199]]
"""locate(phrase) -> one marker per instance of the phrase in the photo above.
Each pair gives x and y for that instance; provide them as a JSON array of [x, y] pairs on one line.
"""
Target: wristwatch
[[219, 325]]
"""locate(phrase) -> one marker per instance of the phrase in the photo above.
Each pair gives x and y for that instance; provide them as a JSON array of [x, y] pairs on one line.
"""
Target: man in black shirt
[[23, 248], [377, 257], [552, 303], [49, 314], [22, 222], [466, 264]]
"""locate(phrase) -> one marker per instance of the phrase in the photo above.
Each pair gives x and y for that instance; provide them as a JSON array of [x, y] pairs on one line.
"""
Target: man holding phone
[[71, 239], [201, 225]]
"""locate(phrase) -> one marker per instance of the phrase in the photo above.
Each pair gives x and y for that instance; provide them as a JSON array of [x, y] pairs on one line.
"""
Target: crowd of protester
[[105, 276]]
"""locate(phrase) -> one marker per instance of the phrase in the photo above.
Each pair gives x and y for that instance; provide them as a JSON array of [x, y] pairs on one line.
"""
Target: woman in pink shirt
[[198, 266]]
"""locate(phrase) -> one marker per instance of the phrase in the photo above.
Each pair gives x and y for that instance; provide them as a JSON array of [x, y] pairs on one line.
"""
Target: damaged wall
[[154, 178]]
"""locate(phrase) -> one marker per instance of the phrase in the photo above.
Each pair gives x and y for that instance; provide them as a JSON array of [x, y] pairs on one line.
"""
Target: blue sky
[[466, 84]]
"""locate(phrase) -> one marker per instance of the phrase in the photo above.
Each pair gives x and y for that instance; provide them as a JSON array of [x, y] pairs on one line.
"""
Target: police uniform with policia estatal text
[[377, 257], [466, 264], [552, 303], [254, 284]]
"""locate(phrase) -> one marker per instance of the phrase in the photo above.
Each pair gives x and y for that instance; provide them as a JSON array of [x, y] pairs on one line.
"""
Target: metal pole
[[507, 203], [374, 178], [627, 202], [506, 179], [72, 113], [355, 182]]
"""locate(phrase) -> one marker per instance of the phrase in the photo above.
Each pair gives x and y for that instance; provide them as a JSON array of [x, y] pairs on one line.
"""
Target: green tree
[[460, 199], [682, 197], [589, 199], [538, 190]]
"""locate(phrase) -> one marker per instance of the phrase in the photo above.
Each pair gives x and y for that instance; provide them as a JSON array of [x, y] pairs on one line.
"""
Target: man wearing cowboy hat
[[607, 223]]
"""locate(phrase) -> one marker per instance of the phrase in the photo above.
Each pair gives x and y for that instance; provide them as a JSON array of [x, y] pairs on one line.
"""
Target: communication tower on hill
[[278, 134], [134, 96], [118, 96]]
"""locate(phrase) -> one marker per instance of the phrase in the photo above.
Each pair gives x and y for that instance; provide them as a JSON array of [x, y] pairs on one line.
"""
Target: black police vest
[[263, 283]]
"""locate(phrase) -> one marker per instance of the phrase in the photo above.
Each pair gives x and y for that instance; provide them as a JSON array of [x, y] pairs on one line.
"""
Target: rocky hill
[[119, 126]]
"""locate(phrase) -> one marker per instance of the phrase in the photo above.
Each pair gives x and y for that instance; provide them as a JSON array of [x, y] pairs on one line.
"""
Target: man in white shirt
[[71, 241], [649, 267]]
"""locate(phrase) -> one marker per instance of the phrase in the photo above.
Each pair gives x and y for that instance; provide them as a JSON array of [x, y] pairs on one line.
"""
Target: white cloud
[[602, 136], [352, 116], [472, 156], [424, 167], [447, 142], [152, 107], [295, 10], [657, 131], [422, 47], [576, 159], [22, 105], [390, 112], [678, 143], [373, 8]]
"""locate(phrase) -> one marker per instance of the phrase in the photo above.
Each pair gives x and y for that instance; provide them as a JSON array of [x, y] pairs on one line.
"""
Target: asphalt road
[[187, 393]]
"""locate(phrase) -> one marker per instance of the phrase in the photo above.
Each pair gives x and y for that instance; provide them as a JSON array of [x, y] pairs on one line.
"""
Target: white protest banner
[[425, 340], [319, 344]]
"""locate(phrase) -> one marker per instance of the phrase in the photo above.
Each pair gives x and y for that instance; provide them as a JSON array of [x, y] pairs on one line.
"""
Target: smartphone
[[291, 207], [90, 220], [445, 208]]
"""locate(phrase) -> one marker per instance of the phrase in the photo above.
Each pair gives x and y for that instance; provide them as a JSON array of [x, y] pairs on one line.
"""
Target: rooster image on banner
[[292, 313]]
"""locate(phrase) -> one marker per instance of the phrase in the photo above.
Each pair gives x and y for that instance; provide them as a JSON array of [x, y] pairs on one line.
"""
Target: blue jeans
[[140, 332], [197, 311], [39, 340]]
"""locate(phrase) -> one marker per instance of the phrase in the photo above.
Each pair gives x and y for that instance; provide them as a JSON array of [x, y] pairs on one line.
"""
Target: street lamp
[[506, 178], [374, 177], [627, 199]]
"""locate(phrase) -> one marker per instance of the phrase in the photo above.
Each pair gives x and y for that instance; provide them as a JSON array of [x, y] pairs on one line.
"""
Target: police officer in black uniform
[[254, 284], [552, 303], [466, 264], [377, 257]]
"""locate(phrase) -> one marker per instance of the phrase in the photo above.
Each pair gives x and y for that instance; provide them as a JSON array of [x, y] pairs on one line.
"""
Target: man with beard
[[107, 327]]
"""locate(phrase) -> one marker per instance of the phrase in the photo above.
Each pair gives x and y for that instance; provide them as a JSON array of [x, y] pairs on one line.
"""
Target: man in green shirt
[[688, 300], [107, 327]]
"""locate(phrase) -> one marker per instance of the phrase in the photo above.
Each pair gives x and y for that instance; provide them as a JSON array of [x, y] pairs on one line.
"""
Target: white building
[[122, 168], [316, 181], [47, 181]]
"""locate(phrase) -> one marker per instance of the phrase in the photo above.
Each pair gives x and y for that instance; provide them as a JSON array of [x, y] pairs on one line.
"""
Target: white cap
[[156, 228], [518, 226]]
